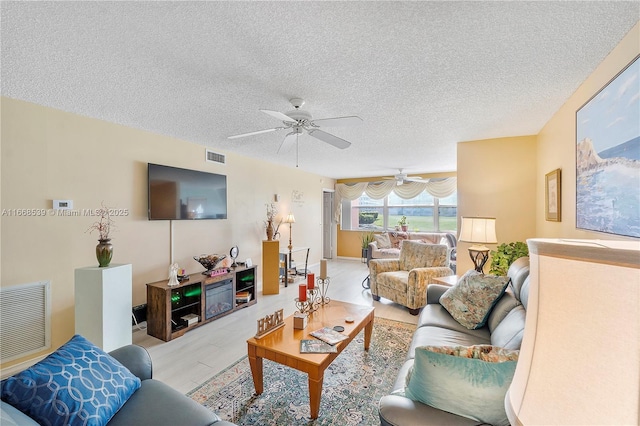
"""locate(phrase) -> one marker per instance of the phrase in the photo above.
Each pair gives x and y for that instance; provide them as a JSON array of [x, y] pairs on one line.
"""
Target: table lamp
[[579, 362], [478, 231], [290, 220]]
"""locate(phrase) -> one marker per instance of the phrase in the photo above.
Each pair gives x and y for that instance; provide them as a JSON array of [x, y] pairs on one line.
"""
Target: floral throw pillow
[[470, 301]]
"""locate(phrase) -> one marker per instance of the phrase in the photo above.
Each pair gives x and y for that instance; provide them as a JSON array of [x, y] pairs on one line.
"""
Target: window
[[423, 213]]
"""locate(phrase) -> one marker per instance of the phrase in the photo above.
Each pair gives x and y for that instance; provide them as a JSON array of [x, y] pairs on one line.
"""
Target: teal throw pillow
[[468, 381], [470, 301], [78, 384]]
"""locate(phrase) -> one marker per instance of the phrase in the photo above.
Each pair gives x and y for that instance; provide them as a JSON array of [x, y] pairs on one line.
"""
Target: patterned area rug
[[353, 385]]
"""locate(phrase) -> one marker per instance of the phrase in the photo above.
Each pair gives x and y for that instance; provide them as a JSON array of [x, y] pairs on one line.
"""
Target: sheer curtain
[[439, 188]]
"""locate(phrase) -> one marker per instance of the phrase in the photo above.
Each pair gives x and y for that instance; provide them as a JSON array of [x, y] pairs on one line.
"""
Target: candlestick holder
[[323, 285], [308, 306]]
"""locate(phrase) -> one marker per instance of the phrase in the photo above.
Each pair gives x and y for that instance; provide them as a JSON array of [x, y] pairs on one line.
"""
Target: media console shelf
[[172, 311]]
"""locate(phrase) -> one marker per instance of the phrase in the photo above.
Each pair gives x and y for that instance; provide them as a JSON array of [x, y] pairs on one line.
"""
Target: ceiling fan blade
[[287, 141], [329, 138], [352, 120], [414, 179], [254, 133], [280, 116]]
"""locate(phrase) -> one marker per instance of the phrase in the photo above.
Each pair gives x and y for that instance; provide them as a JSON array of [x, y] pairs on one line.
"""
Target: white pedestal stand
[[103, 305]]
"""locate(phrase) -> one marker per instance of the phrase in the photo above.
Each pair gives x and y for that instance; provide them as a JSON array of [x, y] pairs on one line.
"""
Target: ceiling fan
[[401, 178], [298, 121]]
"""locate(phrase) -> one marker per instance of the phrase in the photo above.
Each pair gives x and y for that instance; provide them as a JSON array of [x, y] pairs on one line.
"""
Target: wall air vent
[[25, 315], [214, 157]]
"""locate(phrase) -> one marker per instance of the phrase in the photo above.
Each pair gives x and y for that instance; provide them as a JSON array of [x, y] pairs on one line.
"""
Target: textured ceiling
[[422, 75]]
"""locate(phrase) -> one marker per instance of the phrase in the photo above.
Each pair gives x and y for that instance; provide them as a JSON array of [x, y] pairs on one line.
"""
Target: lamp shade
[[579, 362], [290, 218], [478, 230]]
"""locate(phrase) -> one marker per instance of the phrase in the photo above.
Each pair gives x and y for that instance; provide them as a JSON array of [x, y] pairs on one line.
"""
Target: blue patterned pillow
[[468, 381], [78, 384], [470, 301]]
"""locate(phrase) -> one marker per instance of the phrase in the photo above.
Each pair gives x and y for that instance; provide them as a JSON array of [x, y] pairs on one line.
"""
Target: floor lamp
[[478, 231], [290, 220]]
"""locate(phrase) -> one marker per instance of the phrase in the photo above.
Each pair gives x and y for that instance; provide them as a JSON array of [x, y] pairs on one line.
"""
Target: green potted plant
[[403, 223], [505, 255], [365, 239]]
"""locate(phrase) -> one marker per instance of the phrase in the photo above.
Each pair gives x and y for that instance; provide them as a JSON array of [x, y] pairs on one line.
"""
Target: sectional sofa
[[504, 328]]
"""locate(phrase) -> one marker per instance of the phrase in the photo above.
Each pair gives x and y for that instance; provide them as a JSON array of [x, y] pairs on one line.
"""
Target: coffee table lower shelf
[[283, 346]]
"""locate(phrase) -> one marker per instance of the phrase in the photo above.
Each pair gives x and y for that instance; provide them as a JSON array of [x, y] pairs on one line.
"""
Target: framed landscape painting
[[608, 157]]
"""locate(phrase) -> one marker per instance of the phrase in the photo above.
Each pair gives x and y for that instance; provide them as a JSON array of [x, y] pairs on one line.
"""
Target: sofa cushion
[[500, 310], [437, 336], [508, 334], [437, 316], [11, 416], [518, 272], [78, 384], [394, 280], [382, 241], [468, 381], [470, 301], [170, 407]]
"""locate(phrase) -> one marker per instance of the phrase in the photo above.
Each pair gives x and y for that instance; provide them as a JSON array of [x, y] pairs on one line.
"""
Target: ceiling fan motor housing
[[299, 115]]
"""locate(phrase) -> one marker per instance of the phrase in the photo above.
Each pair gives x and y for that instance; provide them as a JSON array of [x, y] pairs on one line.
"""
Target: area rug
[[353, 384]]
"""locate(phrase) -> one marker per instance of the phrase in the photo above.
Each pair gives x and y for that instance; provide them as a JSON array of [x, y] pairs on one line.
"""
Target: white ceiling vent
[[214, 157]]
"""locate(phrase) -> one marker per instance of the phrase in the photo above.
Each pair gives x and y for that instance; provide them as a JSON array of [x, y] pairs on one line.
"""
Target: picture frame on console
[[552, 193]]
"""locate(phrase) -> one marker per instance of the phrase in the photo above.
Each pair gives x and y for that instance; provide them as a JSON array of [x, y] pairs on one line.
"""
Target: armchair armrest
[[420, 279], [136, 359], [434, 292], [378, 266]]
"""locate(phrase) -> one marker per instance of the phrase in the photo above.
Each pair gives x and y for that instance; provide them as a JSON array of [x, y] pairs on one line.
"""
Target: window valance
[[439, 188]]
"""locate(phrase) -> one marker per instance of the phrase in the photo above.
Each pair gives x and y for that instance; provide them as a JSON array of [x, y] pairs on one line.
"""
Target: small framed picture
[[248, 263], [552, 192]]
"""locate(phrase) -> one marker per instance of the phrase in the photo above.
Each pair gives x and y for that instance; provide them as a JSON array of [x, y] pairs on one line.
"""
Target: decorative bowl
[[209, 261]]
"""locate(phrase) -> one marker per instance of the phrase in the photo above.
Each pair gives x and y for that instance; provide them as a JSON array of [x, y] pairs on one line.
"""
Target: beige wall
[[505, 178], [557, 141], [49, 154], [496, 178]]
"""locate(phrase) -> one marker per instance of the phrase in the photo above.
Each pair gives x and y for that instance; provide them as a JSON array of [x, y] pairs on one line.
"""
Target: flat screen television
[[182, 194]]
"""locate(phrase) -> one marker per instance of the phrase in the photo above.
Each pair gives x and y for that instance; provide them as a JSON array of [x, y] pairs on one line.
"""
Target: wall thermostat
[[63, 204]]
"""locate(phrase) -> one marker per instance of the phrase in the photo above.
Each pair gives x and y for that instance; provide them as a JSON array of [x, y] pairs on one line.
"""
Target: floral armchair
[[405, 280]]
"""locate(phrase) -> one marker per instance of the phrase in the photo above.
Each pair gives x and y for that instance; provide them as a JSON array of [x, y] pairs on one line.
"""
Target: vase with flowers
[[272, 212], [104, 226]]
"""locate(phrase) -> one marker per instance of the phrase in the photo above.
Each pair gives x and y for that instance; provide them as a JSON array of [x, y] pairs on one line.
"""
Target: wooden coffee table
[[283, 345]]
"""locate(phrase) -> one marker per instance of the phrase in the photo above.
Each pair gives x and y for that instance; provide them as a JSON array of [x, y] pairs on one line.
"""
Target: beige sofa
[[395, 238]]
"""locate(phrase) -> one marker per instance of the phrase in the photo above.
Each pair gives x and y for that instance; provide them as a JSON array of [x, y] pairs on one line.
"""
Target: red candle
[[302, 293], [311, 281]]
